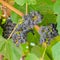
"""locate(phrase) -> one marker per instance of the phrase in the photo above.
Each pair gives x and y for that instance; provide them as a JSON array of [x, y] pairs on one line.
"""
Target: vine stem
[[11, 8], [13, 31], [42, 58], [26, 8]]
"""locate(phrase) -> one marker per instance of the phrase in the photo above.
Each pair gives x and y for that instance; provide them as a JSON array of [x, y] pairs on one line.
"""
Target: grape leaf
[[48, 19], [22, 2], [12, 52], [25, 48], [31, 56], [55, 40], [56, 51], [38, 51], [0, 12], [58, 28], [49, 49], [58, 24], [2, 44], [57, 7], [9, 50], [49, 52], [31, 2], [33, 38], [15, 17], [44, 7], [1, 30], [46, 57]]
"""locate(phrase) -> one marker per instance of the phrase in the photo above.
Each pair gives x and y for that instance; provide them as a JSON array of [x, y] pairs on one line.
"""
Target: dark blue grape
[[47, 33]]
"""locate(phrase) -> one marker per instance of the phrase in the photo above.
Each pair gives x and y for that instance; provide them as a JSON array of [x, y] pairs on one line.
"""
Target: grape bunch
[[20, 34], [8, 27], [33, 18], [36, 17], [47, 33], [18, 37]]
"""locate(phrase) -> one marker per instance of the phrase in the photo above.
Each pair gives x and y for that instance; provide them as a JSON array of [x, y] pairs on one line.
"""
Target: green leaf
[[58, 28], [56, 51], [32, 2], [31, 56], [25, 48], [33, 38], [9, 50], [22, 2], [15, 17], [0, 12], [49, 49], [38, 51], [2, 43], [12, 52], [58, 19], [58, 24], [55, 40], [46, 57], [1, 30], [48, 18], [57, 7], [49, 52], [45, 7]]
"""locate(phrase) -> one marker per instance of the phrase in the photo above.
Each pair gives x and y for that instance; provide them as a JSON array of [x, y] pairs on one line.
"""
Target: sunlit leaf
[[56, 51], [22, 2], [9, 50], [57, 7], [31, 57]]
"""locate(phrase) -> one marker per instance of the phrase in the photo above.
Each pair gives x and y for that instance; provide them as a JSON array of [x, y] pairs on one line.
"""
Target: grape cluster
[[30, 20], [33, 18], [47, 33], [19, 36], [8, 27]]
